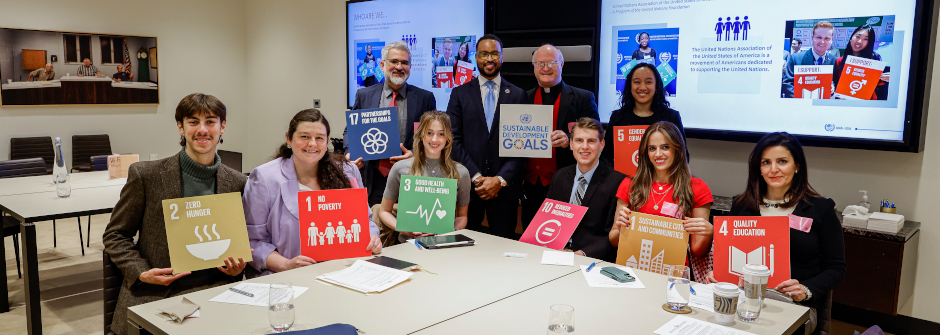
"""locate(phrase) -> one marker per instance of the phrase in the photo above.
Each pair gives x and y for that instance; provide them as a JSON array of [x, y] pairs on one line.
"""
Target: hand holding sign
[[203, 232], [653, 243], [373, 133], [525, 131], [627, 148], [553, 224], [426, 205], [762, 240], [334, 224]]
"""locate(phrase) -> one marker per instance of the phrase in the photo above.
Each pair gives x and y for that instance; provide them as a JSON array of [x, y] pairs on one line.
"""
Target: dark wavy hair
[[198, 104], [330, 174], [753, 196], [869, 51], [627, 102]]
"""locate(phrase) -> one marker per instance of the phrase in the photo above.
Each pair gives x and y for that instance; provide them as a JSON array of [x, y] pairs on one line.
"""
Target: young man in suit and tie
[[589, 183], [569, 104], [410, 101], [817, 55], [196, 170], [474, 113]]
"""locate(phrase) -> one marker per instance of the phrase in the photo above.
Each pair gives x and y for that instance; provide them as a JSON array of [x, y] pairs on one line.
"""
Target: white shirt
[[486, 89]]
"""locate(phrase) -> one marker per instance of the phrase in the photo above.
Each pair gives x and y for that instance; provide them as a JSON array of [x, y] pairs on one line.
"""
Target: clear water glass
[[281, 306], [561, 319], [678, 287]]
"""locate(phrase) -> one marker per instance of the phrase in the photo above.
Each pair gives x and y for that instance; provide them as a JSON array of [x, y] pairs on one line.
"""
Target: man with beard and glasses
[[196, 170], [474, 113], [410, 101]]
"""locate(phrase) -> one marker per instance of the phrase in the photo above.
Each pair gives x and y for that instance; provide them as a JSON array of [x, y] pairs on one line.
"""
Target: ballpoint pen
[[590, 267], [418, 245], [241, 292]]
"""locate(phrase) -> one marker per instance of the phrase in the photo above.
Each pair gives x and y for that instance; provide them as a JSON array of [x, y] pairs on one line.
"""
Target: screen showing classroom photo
[[44, 67], [441, 35], [823, 69]]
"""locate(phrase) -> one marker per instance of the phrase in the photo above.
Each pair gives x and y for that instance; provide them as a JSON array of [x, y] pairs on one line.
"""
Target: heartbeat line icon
[[425, 213]]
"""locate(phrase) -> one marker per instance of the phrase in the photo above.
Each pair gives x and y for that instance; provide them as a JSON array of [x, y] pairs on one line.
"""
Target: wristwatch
[[809, 294], [502, 182]]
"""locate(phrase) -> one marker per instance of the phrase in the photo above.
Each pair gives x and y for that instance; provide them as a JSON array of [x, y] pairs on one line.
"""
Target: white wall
[[202, 49]]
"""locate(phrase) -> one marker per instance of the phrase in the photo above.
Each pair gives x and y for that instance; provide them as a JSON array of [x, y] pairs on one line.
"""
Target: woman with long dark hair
[[302, 163], [862, 44], [642, 102], [778, 185], [664, 186], [433, 142]]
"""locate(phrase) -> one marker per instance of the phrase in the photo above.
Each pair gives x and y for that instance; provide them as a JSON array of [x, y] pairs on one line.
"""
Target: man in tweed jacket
[[196, 170]]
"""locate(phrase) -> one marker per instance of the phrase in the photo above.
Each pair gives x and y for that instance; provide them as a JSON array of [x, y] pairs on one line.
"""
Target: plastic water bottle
[[60, 173]]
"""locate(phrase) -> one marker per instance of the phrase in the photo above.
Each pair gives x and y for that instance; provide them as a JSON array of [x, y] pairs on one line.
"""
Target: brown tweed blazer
[[140, 210]]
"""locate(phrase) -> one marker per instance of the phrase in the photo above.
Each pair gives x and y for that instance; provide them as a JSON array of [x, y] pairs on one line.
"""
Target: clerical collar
[[556, 88]]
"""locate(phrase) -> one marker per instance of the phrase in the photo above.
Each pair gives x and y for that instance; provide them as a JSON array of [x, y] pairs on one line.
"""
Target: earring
[[221, 140], [182, 138], [288, 146], [797, 171]]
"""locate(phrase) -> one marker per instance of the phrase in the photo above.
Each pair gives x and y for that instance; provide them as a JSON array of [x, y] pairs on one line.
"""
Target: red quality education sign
[[334, 224], [554, 224], [762, 240]]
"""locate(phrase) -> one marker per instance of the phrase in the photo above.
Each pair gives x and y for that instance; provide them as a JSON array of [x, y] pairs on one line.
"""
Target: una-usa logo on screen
[[830, 127]]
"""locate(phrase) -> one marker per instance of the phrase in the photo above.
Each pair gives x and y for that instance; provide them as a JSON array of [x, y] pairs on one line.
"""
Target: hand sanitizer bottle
[[60, 173], [864, 202]]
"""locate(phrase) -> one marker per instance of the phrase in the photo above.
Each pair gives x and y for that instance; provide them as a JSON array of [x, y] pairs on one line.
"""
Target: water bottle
[[60, 173]]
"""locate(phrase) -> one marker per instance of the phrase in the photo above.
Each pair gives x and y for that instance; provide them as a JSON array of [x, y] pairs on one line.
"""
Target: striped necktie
[[582, 186]]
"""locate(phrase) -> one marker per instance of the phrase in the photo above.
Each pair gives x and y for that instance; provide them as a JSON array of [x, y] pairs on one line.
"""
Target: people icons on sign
[[738, 27], [340, 233]]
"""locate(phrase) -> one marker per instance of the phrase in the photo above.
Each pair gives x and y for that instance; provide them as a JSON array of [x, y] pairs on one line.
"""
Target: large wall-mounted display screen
[[441, 34], [836, 72]]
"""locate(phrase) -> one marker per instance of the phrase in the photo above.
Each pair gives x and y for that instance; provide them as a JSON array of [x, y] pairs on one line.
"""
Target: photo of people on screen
[[815, 72], [453, 61], [644, 53], [367, 63]]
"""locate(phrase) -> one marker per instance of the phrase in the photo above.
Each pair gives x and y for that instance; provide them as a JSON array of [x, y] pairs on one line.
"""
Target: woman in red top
[[664, 186]]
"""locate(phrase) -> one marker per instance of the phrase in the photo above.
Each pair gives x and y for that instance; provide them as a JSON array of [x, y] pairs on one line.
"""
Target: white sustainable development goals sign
[[525, 131]]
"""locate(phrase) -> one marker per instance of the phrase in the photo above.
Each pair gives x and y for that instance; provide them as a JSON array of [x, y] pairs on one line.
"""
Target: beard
[[494, 72], [395, 79]]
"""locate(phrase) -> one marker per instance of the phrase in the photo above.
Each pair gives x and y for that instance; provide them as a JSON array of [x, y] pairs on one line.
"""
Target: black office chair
[[11, 169], [30, 147], [111, 284], [85, 146]]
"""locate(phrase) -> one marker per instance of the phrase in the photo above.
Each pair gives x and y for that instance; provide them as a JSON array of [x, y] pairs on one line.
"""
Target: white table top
[[467, 278], [43, 205], [85, 78], [18, 85], [603, 310], [35, 184], [135, 84]]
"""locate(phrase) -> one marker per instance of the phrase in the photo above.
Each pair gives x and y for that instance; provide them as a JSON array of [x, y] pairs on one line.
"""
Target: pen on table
[[241, 292], [417, 245], [590, 267]]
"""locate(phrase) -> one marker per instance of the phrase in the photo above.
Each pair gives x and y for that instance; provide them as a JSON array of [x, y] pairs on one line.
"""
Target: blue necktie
[[489, 106], [819, 61]]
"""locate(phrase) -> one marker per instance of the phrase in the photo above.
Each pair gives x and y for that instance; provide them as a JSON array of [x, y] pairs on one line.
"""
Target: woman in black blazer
[[778, 185]]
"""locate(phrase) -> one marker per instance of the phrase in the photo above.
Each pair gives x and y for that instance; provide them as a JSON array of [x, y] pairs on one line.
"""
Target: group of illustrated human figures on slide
[[327, 235], [736, 27]]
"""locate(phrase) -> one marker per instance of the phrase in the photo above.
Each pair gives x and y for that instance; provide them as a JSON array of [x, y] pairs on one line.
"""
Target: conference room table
[[74, 90], [475, 290], [34, 199]]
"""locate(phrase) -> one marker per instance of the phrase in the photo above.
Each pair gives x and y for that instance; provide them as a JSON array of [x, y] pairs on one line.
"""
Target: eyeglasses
[[488, 55], [395, 62], [550, 65]]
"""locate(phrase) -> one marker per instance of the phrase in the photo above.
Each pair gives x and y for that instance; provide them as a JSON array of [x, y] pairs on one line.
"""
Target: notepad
[[260, 292], [366, 277], [551, 257]]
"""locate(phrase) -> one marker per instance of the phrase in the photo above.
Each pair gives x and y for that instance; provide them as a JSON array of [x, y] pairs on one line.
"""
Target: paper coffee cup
[[726, 303]]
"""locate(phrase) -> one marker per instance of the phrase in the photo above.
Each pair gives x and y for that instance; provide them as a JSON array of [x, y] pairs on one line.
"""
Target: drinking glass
[[561, 320], [281, 306], [678, 287]]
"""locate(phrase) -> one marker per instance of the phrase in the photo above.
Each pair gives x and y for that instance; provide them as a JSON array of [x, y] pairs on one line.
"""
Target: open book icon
[[759, 256], [814, 94]]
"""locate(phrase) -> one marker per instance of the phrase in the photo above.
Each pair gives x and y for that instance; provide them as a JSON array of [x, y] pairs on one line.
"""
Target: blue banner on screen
[[762, 66], [373, 133], [439, 33]]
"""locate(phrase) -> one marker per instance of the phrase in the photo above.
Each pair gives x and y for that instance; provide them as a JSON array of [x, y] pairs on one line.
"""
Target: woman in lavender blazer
[[303, 163]]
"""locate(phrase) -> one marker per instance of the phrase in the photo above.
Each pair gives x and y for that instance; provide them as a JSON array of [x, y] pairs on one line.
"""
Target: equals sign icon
[[548, 231]]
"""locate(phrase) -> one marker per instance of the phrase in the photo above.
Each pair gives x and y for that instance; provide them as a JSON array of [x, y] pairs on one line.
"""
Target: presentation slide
[[830, 69], [442, 36]]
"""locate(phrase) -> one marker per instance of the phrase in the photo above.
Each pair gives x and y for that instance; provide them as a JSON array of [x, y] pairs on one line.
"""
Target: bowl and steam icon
[[211, 249]]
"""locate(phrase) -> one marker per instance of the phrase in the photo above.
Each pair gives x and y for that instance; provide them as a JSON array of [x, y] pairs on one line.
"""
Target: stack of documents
[[885, 222], [366, 277], [856, 220]]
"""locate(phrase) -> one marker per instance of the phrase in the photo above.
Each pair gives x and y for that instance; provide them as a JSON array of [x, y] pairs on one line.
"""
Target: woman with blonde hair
[[664, 186], [433, 142]]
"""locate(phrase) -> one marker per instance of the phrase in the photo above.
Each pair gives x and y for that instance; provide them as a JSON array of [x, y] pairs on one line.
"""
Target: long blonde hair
[[448, 166], [679, 174]]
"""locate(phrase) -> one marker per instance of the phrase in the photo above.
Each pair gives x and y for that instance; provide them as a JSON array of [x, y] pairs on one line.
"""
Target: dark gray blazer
[[140, 209]]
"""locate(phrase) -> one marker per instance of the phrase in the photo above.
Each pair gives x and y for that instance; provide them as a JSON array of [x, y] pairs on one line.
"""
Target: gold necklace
[[657, 203]]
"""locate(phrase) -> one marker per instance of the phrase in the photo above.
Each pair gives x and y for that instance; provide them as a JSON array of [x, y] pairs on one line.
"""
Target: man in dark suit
[[196, 170], [474, 114], [817, 55], [589, 183], [410, 101], [570, 104]]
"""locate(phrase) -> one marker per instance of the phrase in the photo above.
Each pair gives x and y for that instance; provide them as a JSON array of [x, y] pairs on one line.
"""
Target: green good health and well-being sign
[[426, 204]]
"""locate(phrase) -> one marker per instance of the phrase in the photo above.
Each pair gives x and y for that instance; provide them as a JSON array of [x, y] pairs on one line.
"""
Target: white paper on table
[[366, 277], [259, 290], [194, 315], [515, 254], [703, 298], [684, 325], [551, 257], [596, 279]]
